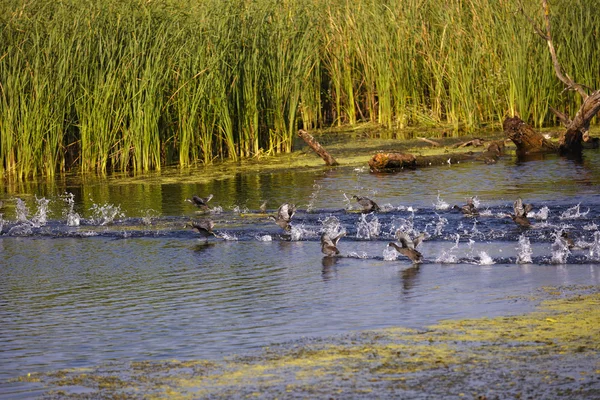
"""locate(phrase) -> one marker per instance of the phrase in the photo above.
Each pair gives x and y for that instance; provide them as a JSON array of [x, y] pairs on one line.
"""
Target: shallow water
[[105, 270]]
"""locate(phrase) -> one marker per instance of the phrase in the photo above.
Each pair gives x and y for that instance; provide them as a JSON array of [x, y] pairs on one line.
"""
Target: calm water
[[105, 270]]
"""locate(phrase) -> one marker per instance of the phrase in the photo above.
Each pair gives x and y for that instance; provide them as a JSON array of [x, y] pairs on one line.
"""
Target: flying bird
[[201, 202], [408, 246], [284, 215], [204, 228], [520, 215], [468, 209], [367, 204]]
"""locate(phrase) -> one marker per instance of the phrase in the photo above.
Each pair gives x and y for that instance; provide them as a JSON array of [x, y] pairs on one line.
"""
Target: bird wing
[[286, 211], [419, 239], [518, 207], [404, 239], [336, 239]]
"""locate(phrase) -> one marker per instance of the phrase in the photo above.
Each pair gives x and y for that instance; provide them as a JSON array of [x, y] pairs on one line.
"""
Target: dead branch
[[316, 146], [431, 142]]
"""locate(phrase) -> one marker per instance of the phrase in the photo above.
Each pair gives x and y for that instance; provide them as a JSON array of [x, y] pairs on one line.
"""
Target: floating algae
[[550, 353]]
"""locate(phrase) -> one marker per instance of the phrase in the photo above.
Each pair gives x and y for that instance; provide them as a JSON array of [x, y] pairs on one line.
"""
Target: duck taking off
[[367, 204], [204, 228], [408, 246], [284, 215], [329, 244], [468, 209], [201, 202], [520, 215]]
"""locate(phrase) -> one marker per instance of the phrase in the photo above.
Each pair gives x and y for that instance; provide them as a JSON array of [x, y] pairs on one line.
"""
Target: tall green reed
[[110, 85]]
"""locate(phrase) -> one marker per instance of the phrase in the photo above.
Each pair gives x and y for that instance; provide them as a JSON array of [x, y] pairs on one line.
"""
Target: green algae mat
[[550, 353]]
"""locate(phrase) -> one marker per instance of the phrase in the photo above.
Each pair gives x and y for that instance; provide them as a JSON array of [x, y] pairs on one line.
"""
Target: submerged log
[[316, 146], [390, 162]]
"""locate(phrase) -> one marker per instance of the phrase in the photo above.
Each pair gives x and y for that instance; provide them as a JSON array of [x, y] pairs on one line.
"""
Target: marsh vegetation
[[135, 86]]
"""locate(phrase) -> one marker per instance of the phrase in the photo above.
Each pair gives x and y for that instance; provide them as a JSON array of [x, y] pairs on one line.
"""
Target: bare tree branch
[[557, 69]]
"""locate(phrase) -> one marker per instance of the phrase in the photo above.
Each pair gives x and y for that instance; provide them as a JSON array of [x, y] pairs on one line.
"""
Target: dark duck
[[329, 244], [520, 213], [201, 202], [284, 215], [367, 204], [468, 209], [408, 246]]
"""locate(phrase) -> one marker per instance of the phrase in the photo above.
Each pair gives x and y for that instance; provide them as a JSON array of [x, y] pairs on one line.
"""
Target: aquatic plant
[[135, 86]]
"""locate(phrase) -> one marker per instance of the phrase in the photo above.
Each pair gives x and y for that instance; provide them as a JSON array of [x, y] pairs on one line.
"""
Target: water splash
[[405, 225], [560, 249], [439, 226], [313, 197], [239, 209], [573, 213], [541, 215], [41, 216], [476, 233], [73, 219], [448, 257], [485, 259], [595, 247], [149, 216], [361, 255], [590, 227], [216, 210], [441, 204], [347, 202], [367, 229], [390, 254], [524, 251], [264, 238], [332, 226], [22, 211], [227, 236], [105, 214], [299, 232]]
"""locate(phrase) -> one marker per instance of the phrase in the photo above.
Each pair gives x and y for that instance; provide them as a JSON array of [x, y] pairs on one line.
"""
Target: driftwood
[[573, 139], [431, 142], [526, 138], [390, 162], [316, 146], [477, 142]]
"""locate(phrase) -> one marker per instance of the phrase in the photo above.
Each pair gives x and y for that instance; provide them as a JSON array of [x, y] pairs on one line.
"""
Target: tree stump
[[526, 138]]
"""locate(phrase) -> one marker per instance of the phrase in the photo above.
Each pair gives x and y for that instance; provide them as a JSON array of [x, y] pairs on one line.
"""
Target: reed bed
[[135, 85]]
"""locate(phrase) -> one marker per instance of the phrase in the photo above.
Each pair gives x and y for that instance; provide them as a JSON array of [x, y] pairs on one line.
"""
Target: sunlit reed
[[135, 86]]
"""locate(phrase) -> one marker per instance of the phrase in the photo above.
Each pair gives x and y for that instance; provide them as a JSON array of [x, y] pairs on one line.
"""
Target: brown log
[[526, 138], [316, 146], [390, 162]]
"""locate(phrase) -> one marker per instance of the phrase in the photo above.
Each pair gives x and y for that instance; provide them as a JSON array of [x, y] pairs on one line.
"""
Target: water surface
[[105, 270]]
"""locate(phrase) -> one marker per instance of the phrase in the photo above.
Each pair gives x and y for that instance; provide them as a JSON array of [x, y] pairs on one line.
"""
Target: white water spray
[[69, 214], [448, 257], [367, 229], [595, 247], [440, 204], [524, 251], [560, 249]]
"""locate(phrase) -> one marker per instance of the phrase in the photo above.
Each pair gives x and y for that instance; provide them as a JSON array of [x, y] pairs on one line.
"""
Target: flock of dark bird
[[405, 245]]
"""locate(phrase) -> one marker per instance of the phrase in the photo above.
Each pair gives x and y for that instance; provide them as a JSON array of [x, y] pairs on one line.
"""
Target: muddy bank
[[550, 353]]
